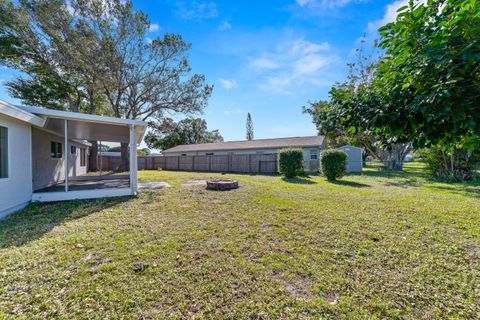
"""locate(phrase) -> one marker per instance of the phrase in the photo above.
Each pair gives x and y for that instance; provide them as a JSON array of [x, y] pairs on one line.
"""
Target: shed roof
[[313, 141]]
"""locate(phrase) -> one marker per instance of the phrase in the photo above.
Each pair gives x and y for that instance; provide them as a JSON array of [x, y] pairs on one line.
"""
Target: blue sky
[[268, 58]]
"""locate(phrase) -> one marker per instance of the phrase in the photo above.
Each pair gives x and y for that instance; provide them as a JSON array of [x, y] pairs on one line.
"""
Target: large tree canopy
[[94, 56], [169, 134], [336, 118], [427, 85]]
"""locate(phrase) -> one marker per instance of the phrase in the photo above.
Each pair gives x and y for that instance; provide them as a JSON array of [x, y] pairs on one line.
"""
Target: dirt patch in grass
[[195, 182]]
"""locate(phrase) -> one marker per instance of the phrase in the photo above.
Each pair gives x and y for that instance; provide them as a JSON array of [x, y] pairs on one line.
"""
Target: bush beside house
[[333, 163], [291, 162]]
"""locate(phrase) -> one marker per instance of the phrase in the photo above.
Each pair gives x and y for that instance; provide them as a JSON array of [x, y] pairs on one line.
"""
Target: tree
[[143, 152], [169, 134], [427, 85], [93, 56], [249, 127], [338, 119], [146, 79]]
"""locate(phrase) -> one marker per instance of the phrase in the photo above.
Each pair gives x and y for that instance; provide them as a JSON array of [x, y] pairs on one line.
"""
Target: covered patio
[[60, 155]]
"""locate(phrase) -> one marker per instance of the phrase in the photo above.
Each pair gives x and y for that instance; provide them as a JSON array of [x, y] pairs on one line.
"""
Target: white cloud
[[225, 25], [390, 15], [325, 4], [263, 64], [301, 47], [154, 27], [310, 64], [294, 64], [197, 10], [228, 84]]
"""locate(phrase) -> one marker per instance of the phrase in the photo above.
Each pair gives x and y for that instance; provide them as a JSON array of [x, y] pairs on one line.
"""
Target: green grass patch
[[376, 245]]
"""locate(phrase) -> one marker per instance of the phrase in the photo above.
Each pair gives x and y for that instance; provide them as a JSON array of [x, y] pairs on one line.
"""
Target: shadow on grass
[[299, 180], [349, 183], [38, 219], [462, 189]]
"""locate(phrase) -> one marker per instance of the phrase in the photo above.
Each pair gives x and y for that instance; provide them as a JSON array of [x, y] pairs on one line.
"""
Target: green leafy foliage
[[250, 135], [169, 134], [459, 165], [143, 152], [427, 85], [291, 162], [333, 163], [424, 89]]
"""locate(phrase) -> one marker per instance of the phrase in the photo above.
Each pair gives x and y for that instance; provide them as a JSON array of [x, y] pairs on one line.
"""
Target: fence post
[[178, 163], [193, 163], [249, 163], [229, 161]]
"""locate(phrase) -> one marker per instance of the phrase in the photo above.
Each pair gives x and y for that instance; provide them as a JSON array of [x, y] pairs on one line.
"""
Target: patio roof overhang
[[87, 126]]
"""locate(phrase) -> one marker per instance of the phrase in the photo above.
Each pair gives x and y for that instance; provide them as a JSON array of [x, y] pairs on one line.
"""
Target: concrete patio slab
[[152, 185]]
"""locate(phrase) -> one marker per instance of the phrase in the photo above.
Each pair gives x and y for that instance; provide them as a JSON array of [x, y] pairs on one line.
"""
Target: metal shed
[[355, 159]]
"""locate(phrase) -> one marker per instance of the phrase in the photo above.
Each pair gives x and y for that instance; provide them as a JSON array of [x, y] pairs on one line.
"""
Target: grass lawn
[[377, 245]]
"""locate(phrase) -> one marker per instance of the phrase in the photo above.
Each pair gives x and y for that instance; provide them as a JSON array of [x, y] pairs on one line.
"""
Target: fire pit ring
[[222, 184]]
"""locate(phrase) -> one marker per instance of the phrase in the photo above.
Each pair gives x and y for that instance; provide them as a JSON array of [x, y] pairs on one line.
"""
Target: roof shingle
[[313, 141]]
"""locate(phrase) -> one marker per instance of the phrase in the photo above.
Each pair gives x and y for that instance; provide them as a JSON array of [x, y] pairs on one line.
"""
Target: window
[[73, 150], [3, 152], [209, 154], [313, 154], [83, 157], [184, 154], [55, 149]]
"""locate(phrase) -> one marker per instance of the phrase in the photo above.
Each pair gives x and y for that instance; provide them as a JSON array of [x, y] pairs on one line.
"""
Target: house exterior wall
[[48, 171], [19, 180]]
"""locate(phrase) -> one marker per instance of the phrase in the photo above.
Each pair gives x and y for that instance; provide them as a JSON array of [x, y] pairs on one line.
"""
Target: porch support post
[[65, 155], [133, 160]]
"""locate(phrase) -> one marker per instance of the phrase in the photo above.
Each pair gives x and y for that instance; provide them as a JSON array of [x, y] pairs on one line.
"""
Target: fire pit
[[222, 184]]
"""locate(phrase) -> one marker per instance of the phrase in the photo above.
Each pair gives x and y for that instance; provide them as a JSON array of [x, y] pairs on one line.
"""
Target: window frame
[[313, 154], [56, 150], [7, 153], [83, 157], [73, 150]]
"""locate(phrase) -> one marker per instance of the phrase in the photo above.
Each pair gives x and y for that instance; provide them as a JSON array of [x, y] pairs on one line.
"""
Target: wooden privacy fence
[[249, 163]]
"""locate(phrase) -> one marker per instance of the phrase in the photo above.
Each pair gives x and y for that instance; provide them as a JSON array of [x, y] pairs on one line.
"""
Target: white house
[[43, 155]]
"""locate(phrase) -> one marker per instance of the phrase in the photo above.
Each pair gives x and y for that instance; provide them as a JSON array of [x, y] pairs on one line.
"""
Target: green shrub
[[333, 163], [439, 164], [291, 162]]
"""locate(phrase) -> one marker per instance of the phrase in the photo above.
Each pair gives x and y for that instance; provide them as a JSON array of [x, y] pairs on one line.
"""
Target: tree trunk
[[92, 158], [125, 159], [396, 155]]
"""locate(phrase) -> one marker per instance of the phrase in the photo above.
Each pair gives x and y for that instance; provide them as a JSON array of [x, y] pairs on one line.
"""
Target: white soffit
[[92, 127], [22, 115]]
